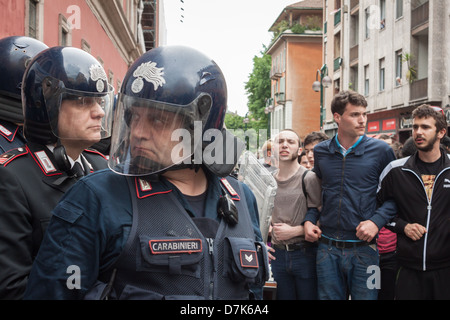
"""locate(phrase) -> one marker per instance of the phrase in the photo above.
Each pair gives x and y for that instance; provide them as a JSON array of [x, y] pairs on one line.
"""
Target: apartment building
[[296, 56], [394, 52]]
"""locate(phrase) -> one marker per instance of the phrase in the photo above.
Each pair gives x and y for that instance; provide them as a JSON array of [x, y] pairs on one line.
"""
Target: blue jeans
[[343, 272], [295, 273]]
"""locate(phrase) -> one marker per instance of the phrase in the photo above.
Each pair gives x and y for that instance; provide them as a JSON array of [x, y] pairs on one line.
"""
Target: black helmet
[[175, 92], [15, 54], [58, 74]]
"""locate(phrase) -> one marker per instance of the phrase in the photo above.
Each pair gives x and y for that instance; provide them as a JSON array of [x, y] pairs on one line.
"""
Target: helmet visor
[[81, 115], [150, 136]]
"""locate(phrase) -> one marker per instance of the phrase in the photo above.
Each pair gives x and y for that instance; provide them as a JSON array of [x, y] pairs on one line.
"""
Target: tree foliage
[[258, 86]]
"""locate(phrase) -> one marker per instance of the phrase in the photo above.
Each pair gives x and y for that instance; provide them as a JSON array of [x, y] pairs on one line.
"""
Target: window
[[382, 75], [64, 32], [398, 68], [110, 77], [32, 19], [366, 80], [367, 12], [382, 14], [353, 85], [85, 46], [398, 9]]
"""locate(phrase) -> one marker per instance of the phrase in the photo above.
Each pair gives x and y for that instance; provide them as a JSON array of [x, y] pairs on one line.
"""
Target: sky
[[230, 32]]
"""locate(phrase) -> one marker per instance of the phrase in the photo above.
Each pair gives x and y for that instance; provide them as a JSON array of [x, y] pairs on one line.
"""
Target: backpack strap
[[303, 182]]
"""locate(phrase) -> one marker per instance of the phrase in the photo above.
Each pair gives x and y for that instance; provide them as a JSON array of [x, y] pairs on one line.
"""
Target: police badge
[[98, 74], [150, 73]]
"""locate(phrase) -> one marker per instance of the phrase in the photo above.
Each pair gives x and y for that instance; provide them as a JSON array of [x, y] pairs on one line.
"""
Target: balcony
[[353, 4], [280, 97], [354, 54], [419, 89], [420, 17]]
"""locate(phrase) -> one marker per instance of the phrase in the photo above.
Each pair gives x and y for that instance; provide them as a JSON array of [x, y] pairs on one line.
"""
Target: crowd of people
[[354, 217], [369, 244]]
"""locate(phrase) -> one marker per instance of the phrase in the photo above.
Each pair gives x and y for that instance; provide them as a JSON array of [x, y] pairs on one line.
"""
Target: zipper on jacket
[[341, 192], [429, 207], [210, 242]]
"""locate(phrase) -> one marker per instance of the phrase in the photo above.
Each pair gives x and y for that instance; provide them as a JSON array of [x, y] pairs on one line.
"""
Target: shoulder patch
[[11, 155], [230, 189]]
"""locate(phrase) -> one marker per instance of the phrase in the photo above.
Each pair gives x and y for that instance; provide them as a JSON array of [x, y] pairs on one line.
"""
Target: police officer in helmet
[[66, 106], [167, 222], [15, 54]]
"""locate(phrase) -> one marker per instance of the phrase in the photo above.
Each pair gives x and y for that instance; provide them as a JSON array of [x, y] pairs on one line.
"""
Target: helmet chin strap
[[61, 158], [232, 144]]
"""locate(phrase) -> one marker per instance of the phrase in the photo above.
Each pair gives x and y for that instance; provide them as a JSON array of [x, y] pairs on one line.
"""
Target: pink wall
[[12, 22], [90, 30]]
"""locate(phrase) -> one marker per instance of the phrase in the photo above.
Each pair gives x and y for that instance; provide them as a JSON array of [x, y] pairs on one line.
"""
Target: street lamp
[[325, 82], [246, 121], [268, 110]]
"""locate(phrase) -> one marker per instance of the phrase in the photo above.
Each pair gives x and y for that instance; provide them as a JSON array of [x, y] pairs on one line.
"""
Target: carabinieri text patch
[[165, 246]]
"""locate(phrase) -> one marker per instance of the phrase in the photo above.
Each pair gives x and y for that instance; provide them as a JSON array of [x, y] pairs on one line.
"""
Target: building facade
[[296, 56], [392, 52], [114, 32]]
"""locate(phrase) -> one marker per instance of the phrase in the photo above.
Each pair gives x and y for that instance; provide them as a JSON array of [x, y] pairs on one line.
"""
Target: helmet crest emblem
[[150, 73], [98, 74]]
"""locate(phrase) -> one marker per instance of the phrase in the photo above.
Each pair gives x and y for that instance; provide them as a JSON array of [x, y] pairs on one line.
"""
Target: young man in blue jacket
[[349, 165]]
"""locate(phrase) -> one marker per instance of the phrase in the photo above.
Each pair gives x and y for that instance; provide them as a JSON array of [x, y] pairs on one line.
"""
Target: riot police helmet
[[171, 97], [16, 53], [57, 75]]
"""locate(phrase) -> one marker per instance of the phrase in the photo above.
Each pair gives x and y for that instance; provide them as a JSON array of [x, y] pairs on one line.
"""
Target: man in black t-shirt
[[420, 187]]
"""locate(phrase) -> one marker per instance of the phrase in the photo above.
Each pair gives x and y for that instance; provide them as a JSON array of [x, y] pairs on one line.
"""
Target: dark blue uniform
[[30, 187], [90, 227]]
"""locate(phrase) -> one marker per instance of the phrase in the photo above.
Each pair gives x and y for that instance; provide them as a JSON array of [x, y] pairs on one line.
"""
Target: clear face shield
[[150, 137], [80, 115]]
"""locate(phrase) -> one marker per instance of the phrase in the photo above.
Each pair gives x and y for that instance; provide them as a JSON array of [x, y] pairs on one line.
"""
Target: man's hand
[[366, 230], [270, 250], [283, 231], [414, 231], [312, 232]]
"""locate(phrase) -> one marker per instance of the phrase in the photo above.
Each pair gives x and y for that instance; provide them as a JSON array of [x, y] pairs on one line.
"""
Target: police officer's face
[[151, 132], [80, 120]]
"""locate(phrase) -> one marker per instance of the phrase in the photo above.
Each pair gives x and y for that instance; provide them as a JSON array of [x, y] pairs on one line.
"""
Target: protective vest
[[167, 256]]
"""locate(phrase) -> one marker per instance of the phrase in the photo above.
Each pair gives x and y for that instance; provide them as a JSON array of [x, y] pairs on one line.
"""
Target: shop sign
[[406, 122], [389, 124], [373, 126]]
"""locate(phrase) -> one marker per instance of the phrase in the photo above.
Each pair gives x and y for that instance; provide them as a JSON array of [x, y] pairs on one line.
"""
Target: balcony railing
[[419, 89], [280, 97], [420, 15]]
